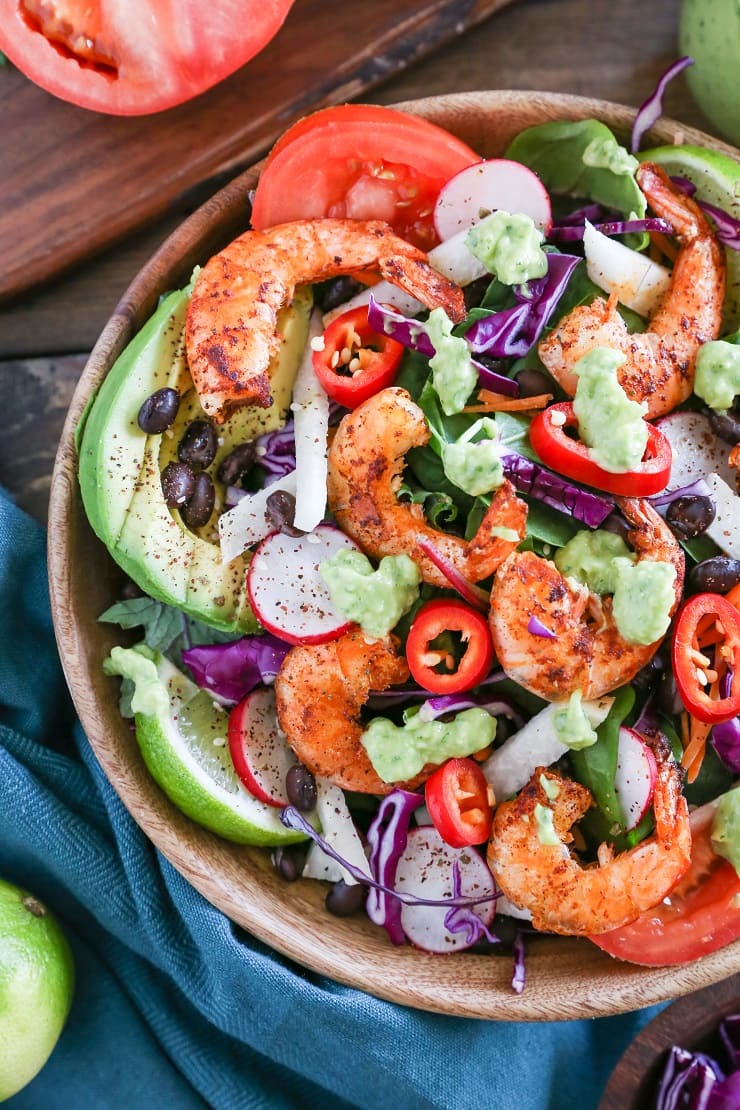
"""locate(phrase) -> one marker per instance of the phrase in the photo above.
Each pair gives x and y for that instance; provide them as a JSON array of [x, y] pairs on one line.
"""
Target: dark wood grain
[[75, 181], [690, 1023]]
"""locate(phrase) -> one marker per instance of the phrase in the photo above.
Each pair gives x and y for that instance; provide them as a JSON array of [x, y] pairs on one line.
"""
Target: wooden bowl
[[690, 1023], [567, 978]]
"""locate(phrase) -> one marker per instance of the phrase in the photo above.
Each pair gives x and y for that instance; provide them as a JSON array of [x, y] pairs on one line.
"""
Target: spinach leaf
[[166, 629], [596, 767]]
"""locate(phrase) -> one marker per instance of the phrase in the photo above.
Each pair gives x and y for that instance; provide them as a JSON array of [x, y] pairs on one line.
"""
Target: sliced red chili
[[457, 798], [424, 657], [573, 459], [698, 674], [355, 361]]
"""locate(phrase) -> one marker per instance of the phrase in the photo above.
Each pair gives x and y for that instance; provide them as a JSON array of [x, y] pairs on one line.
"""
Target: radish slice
[[425, 870], [288, 595], [258, 749], [512, 765], [338, 830], [638, 281], [485, 187], [634, 782], [247, 522], [697, 451]]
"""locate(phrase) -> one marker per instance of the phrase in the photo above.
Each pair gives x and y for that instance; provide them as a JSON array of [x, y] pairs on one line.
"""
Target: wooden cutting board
[[72, 182]]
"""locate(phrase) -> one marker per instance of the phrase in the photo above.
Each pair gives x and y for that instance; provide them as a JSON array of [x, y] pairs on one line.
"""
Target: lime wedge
[[182, 734], [717, 180]]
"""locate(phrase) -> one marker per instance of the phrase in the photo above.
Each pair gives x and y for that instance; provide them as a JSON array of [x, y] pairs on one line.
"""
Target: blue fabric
[[175, 1005]]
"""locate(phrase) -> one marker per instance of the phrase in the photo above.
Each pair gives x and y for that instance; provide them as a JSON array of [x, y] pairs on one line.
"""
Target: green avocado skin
[[120, 475]]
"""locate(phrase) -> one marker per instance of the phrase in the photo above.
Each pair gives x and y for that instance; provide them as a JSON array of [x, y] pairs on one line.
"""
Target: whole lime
[[709, 31], [36, 985]]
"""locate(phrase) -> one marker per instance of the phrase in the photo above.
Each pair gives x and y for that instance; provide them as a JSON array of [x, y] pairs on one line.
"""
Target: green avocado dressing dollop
[[607, 154], [717, 377], [453, 375], [571, 725], [398, 752], [545, 828], [589, 558], [509, 246], [725, 833], [474, 465], [609, 423], [375, 599]]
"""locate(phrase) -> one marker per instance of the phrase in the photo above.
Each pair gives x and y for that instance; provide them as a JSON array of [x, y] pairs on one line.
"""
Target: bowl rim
[[232, 877]]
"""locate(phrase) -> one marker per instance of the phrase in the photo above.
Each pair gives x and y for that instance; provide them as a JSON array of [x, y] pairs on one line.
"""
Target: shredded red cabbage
[[461, 919], [695, 1081], [729, 1034], [727, 227], [471, 593], [293, 819], [433, 708], [387, 836], [571, 233], [231, 670], [534, 479], [698, 488], [651, 109], [512, 332], [591, 212], [537, 628], [276, 451], [520, 972], [412, 334], [412, 692], [726, 735]]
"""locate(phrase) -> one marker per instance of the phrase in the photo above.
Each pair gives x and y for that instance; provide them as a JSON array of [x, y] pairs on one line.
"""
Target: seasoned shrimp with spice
[[531, 859], [231, 327], [366, 460], [583, 649], [660, 362], [320, 691]]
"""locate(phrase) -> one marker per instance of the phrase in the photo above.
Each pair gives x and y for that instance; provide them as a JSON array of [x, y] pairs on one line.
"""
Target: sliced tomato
[[424, 655], [360, 161], [456, 796], [355, 361], [700, 915], [572, 458], [129, 59], [702, 613]]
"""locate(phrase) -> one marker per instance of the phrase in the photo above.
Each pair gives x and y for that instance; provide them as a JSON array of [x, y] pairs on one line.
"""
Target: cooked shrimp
[[320, 691], [589, 654], [231, 327], [566, 896], [660, 362], [366, 459]]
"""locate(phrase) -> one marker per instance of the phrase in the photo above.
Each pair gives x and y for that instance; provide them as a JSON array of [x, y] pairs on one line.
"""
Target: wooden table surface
[[589, 47]]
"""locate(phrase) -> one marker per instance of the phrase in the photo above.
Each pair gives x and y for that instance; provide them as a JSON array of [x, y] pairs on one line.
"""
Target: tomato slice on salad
[[356, 361], [360, 161], [695, 671], [572, 458], [456, 796], [91, 55], [700, 915], [438, 619]]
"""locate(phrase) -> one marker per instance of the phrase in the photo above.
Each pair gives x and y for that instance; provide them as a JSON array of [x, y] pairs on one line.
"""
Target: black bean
[[690, 516], [616, 523], [197, 511], [715, 576], [726, 425], [336, 292], [344, 899], [301, 787], [178, 484], [533, 382], [237, 463], [280, 511], [158, 411], [289, 861], [650, 674], [667, 698], [198, 445]]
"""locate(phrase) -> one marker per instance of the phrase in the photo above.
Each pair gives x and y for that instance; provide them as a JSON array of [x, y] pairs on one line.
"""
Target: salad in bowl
[[423, 484]]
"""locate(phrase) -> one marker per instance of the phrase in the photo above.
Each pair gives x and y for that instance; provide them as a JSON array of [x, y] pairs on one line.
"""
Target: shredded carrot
[[734, 596], [664, 245], [693, 755], [685, 730], [497, 402]]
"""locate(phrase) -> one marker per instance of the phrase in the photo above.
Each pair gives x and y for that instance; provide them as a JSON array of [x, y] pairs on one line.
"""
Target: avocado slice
[[120, 466]]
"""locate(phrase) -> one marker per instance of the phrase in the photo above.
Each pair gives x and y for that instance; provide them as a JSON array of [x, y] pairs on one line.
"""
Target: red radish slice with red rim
[[634, 782], [259, 752], [288, 595], [425, 870], [486, 186]]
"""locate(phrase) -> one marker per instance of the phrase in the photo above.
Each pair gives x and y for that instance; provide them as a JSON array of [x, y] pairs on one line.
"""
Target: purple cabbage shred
[[571, 233], [276, 452], [233, 669], [696, 1081], [519, 977], [461, 919], [387, 836], [512, 332], [727, 227], [433, 708], [651, 109], [534, 479], [537, 628]]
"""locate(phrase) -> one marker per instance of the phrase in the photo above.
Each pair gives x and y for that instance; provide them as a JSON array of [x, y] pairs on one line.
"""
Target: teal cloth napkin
[[175, 1005]]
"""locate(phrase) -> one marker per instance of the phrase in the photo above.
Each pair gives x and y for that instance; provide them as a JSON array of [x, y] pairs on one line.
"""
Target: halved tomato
[[133, 57], [360, 161], [700, 915]]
